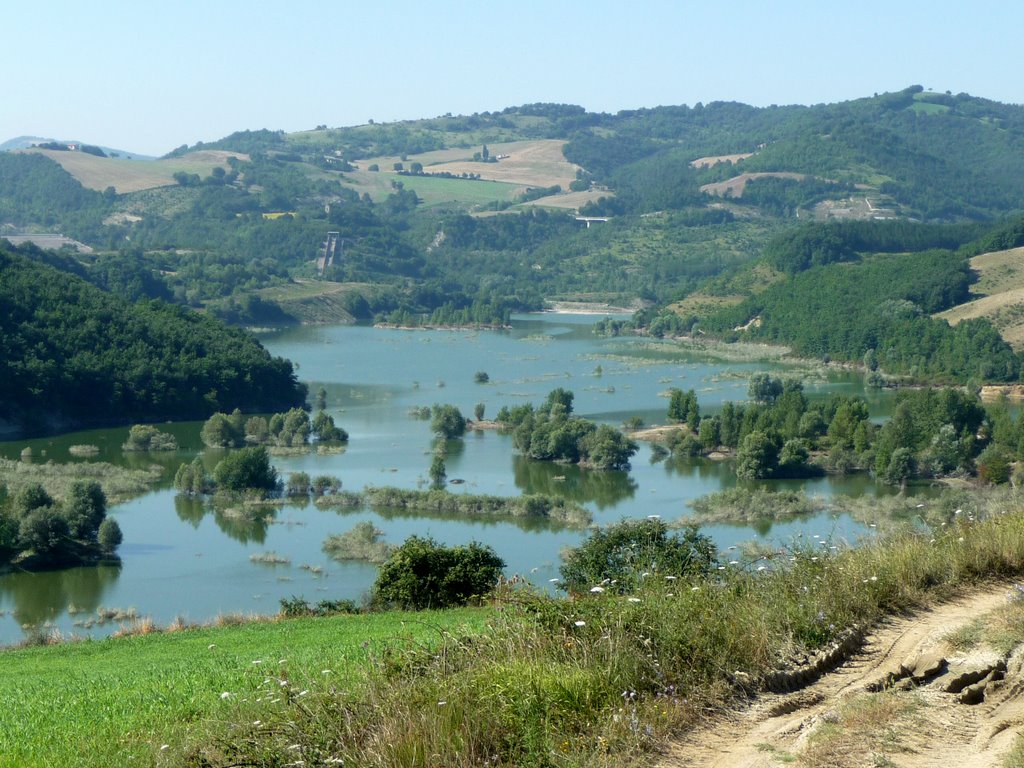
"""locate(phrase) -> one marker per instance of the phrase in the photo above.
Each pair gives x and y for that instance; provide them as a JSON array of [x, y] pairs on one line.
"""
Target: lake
[[182, 558]]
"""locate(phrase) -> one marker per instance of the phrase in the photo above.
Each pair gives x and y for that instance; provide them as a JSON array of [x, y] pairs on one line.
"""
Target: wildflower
[[211, 646], [960, 539], [695, 589], [761, 567], [325, 671], [670, 578], [580, 623], [553, 581], [164, 746], [441, 703], [734, 562], [258, 661], [597, 589], [632, 599], [225, 695], [257, 722]]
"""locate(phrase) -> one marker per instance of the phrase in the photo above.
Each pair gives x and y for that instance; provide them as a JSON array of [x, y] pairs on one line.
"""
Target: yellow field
[[135, 175], [529, 163], [1000, 288], [734, 187], [707, 162]]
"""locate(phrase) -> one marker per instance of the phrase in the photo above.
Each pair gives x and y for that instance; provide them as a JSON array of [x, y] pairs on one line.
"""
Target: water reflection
[[244, 524], [603, 488], [35, 598]]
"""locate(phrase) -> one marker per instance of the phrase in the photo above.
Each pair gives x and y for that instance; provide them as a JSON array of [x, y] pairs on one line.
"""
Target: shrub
[[324, 429], [146, 437], [298, 484], [363, 542], [424, 574], [448, 421], [223, 431], [618, 557], [323, 484], [109, 537], [246, 469]]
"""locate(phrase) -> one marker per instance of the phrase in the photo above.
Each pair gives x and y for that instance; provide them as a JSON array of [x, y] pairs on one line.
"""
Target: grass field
[[432, 190], [529, 163], [1000, 292], [134, 175], [116, 702]]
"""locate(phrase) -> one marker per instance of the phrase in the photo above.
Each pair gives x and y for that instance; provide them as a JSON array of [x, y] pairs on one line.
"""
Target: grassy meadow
[[117, 702], [602, 679], [134, 175]]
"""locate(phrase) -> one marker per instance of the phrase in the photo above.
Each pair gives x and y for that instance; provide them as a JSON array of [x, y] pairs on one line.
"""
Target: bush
[[109, 537], [298, 484], [448, 422], [423, 574], [146, 437], [246, 469], [618, 557]]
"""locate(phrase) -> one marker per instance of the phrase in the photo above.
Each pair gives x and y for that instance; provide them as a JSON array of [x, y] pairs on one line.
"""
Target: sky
[[147, 77]]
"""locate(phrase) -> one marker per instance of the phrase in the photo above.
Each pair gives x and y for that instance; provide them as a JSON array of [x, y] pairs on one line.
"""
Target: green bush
[[619, 557], [448, 422], [246, 469], [423, 574]]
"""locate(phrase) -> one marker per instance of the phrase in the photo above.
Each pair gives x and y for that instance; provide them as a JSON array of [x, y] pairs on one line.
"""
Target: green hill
[[74, 355]]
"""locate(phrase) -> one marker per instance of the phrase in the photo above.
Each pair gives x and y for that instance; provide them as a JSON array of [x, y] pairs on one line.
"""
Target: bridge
[[588, 220]]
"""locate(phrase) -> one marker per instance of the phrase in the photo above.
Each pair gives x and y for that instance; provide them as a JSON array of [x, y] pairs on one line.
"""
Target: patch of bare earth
[[707, 162], [735, 186], [905, 699]]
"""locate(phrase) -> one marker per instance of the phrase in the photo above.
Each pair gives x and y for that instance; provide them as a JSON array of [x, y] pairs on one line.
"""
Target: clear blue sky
[[148, 77]]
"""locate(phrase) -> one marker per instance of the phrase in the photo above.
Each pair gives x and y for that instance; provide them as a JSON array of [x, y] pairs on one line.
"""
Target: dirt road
[[899, 701]]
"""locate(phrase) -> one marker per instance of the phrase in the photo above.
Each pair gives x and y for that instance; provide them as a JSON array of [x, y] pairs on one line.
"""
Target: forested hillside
[[706, 201], [72, 354]]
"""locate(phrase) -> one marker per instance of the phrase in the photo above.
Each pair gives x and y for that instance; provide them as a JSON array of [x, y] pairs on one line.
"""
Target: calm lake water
[[180, 557]]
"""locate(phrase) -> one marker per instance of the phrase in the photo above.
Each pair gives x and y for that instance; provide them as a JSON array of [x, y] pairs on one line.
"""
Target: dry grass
[[707, 162], [1001, 287], [135, 175], [530, 163], [735, 186], [862, 733]]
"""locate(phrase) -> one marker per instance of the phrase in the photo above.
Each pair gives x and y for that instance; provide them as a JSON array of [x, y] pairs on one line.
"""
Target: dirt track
[[927, 726]]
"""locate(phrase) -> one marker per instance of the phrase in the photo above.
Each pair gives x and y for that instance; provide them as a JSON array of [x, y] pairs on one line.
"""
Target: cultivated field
[[529, 163], [1000, 287], [431, 190], [707, 162], [135, 175], [734, 187]]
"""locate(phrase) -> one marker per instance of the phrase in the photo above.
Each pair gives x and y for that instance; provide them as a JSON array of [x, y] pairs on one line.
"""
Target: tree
[[416, 168], [619, 555], [481, 377], [478, 411], [900, 468], [764, 388], [44, 531], [246, 469], [757, 457], [223, 431], [192, 478], [438, 471], [31, 497], [324, 429], [321, 399], [298, 484], [424, 574], [447, 422], [84, 509], [109, 536]]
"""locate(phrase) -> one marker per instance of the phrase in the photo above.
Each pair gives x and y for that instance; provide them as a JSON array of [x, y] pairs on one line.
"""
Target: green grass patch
[[605, 679], [118, 701], [434, 190]]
